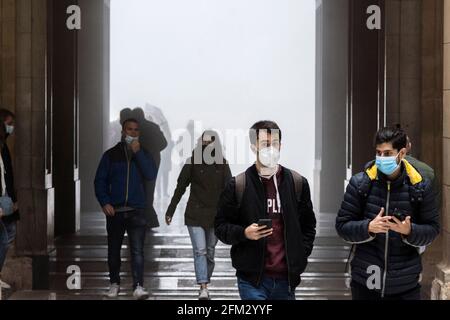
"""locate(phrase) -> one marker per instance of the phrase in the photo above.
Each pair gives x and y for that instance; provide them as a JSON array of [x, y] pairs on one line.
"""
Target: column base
[[17, 271], [440, 289]]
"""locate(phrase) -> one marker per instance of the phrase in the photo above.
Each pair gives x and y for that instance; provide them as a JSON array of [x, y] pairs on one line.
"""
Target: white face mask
[[129, 140], [269, 157], [9, 129]]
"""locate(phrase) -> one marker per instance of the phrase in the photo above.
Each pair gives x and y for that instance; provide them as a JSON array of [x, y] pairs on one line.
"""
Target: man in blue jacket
[[119, 188], [389, 214]]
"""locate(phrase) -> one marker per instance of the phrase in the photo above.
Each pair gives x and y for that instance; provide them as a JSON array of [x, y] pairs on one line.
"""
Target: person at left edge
[[119, 188], [8, 223]]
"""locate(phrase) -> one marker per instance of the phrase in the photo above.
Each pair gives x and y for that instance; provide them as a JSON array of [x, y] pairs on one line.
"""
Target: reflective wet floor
[[169, 267]]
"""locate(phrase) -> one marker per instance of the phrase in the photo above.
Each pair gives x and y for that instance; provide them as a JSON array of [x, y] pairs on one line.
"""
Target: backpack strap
[[240, 188], [416, 196], [298, 184], [241, 182]]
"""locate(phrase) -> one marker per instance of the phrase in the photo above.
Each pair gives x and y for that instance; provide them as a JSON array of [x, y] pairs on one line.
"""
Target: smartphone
[[400, 214], [265, 222]]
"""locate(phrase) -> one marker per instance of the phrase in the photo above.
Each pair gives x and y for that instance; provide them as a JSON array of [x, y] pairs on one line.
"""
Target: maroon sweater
[[275, 264]]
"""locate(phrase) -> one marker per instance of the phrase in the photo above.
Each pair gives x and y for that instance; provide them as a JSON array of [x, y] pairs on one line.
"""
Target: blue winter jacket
[[121, 175]]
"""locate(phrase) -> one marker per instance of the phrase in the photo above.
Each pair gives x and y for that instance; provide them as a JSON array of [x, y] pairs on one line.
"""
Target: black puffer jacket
[[366, 194], [299, 221]]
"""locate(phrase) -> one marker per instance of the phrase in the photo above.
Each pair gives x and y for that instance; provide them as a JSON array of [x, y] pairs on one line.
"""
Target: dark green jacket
[[207, 183], [428, 173]]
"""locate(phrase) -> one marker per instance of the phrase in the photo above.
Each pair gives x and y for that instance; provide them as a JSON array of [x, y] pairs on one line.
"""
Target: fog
[[222, 63]]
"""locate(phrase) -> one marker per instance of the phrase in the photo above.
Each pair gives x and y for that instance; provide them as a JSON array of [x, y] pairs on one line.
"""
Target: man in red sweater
[[268, 261]]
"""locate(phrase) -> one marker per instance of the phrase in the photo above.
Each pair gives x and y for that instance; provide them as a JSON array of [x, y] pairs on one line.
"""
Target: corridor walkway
[[169, 270]]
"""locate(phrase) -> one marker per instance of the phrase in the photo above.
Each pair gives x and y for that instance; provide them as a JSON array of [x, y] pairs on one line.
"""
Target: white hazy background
[[225, 63]]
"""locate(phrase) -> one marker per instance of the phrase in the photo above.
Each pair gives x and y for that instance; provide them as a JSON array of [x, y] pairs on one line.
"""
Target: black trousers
[[361, 292], [134, 224]]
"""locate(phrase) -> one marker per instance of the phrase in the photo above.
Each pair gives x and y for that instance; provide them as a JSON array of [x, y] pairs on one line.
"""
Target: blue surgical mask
[[387, 165], [129, 140], [9, 129]]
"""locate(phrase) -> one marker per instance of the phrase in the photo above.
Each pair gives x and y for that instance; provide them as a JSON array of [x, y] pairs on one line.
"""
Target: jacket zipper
[[386, 246], [286, 251], [128, 177], [264, 253]]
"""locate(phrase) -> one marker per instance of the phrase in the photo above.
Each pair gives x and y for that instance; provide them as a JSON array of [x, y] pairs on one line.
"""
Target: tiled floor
[[169, 269]]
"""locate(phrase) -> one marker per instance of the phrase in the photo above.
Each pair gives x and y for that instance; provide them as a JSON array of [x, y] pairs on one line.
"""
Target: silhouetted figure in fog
[[153, 140], [162, 183], [190, 128]]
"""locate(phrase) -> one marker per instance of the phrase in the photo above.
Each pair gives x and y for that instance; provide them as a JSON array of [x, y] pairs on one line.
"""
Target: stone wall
[[441, 284], [23, 54]]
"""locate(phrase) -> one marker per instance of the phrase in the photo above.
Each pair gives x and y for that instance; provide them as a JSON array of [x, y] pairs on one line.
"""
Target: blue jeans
[[7, 236], [269, 289], [134, 223], [204, 243]]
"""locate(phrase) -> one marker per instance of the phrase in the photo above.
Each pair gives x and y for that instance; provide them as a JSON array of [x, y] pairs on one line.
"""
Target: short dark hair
[[124, 115], [265, 125], [394, 135], [128, 121], [5, 113]]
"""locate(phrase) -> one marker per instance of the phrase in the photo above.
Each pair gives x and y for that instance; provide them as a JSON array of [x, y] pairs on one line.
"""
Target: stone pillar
[[7, 54], [8, 59], [404, 69], [17, 269], [366, 86], [33, 153], [331, 99], [441, 283], [93, 55], [65, 107]]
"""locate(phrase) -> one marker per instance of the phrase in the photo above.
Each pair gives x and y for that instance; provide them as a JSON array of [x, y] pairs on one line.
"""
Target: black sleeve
[[184, 180], [227, 174], [227, 228], [427, 226], [9, 173], [308, 220], [350, 222]]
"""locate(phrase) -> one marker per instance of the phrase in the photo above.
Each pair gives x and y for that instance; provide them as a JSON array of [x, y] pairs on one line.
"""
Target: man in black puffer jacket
[[268, 261], [390, 214]]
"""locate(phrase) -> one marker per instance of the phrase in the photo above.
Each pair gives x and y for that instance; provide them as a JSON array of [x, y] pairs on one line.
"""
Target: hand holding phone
[[400, 214], [259, 230], [265, 222]]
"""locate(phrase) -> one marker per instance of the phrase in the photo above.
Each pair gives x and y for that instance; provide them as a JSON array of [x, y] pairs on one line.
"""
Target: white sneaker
[[140, 293], [204, 294], [113, 291], [4, 285]]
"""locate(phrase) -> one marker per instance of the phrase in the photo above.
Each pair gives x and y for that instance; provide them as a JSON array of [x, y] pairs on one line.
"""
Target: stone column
[[441, 283], [93, 56], [65, 100], [331, 98], [8, 59], [7, 54], [33, 153]]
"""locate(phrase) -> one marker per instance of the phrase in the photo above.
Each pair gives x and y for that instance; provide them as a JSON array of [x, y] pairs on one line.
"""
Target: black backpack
[[241, 183]]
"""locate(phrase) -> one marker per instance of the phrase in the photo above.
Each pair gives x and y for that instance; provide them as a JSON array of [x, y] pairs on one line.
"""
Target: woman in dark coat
[[207, 172], [7, 223]]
